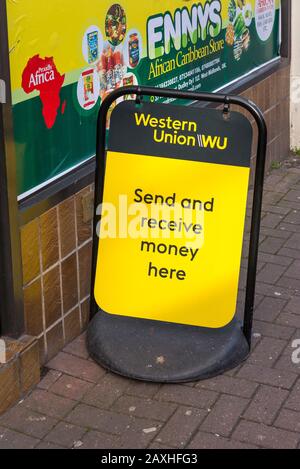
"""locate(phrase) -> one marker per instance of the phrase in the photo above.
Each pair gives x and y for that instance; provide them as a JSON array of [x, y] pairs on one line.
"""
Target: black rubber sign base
[[163, 352]]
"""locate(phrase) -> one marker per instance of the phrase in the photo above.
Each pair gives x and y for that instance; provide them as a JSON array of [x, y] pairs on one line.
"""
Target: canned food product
[[134, 50]]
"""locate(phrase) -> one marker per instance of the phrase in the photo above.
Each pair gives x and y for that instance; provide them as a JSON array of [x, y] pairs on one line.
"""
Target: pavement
[[257, 405]]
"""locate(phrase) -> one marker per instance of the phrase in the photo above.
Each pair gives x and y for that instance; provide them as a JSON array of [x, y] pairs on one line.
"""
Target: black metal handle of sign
[[226, 100]]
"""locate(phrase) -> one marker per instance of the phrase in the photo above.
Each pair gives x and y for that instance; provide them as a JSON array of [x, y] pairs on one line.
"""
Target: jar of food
[[134, 50]]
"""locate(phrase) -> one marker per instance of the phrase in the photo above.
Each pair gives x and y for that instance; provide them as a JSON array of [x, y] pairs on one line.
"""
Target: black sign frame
[[219, 99]]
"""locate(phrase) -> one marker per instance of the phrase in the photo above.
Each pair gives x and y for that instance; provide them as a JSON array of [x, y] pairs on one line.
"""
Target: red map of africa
[[42, 75]]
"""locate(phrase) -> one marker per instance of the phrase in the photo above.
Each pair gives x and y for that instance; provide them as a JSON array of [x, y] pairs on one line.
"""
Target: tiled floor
[[79, 405]]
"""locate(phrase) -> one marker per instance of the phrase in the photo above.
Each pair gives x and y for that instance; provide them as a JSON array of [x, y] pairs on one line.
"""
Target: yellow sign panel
[[172, 227], [176, 279]]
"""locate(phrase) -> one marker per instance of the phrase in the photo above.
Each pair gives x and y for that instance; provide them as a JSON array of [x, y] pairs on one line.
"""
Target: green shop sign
[[66, 58]]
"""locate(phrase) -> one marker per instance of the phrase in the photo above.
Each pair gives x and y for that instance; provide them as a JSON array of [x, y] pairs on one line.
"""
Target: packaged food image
[[93, 46], [134, 50], [128, 80], [110, 75], [111, 70], [238, 49], [88, 88], [102, 71], [118, 67]]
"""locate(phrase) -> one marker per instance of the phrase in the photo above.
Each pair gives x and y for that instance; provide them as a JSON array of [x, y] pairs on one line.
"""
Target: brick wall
[[273, 97], [56, 255], [57, 246]]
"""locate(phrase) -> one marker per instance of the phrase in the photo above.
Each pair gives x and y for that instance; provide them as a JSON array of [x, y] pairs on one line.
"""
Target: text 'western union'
[[174, 132]]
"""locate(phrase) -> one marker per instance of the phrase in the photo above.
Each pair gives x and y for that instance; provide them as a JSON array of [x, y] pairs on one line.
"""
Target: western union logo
[[178, 132], [207, 141]]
